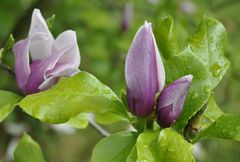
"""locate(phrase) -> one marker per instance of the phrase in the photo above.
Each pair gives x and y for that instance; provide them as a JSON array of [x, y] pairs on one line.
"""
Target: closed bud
[[171, 101]]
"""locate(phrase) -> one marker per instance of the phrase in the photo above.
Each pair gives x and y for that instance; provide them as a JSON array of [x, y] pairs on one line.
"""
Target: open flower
[[145, 77], [40, 60]]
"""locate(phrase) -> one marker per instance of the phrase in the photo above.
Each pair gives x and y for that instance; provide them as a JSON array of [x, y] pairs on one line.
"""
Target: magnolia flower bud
[[171, 100], [40, 59], [127, 17], [144, 72]]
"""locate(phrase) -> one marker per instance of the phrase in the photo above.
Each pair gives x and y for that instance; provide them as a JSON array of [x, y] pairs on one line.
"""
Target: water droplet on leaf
[[207, 89], [194, 96]]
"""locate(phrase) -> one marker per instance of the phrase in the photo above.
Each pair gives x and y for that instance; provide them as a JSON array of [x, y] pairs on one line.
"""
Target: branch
[[6, 68], [101, 130]]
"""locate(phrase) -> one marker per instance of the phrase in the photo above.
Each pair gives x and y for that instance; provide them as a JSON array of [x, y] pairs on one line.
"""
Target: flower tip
[[147, 24], [36, 11], [189, 77]]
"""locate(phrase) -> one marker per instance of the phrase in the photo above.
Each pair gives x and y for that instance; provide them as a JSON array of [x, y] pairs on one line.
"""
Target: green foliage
[[80, 121], [50, 21], [8, 45], [28, 150], [72, 96], [147, 147], [204, 59], [166, 146], [227, 126], [114, 148], [8, 101], [166, 38]]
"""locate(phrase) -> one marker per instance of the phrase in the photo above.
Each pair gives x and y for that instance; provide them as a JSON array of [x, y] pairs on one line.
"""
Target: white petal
[[49, 82], [41, 46], [68, 39], [38, 24]]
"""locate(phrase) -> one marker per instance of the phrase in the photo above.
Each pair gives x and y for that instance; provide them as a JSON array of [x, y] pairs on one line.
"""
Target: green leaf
[[8, 45], [166, 146], [227, 126], [147, 147], [80, 121], [8, 101], [27, 150], [132, 157], [50, 21], [173, 147], [108, 118], [203, 119], [114, 148], [205, 60], [72, 96], [208, 44], [166, 39]]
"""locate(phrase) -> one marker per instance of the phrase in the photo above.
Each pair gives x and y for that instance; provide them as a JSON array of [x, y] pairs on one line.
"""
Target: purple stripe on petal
[[171, 100], [144, 72]]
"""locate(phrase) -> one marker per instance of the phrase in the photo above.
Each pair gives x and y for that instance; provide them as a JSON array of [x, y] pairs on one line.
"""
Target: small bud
[[171, 100], [127, 17]]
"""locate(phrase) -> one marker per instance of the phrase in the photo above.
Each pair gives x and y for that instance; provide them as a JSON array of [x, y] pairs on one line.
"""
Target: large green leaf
[[166, 146], [132, 157], [28, 150], [166, 39], [147, 147], [173, 147], [115, 148], [8, 101], [208, 45], [205, 60], [72, 96], [227, 126]]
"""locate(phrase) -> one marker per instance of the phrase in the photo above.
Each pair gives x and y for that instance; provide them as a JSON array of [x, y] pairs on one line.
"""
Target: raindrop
[[216, 69], [194, 96], [96, 91], [107, 91], [211, 39], [224, 131], [207, 89]]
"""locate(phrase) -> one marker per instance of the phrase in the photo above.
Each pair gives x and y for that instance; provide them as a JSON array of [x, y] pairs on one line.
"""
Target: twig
[[101, 130], [5, 67]]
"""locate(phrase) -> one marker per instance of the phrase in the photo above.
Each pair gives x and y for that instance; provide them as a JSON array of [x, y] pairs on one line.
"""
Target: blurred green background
[[103, 45]]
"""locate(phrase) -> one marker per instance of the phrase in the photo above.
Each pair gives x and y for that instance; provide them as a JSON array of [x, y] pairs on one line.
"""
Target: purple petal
[[38, 74], [127, 16], [65, 51], [171, 100], [144, 72], [21, 52], [22, 68]]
